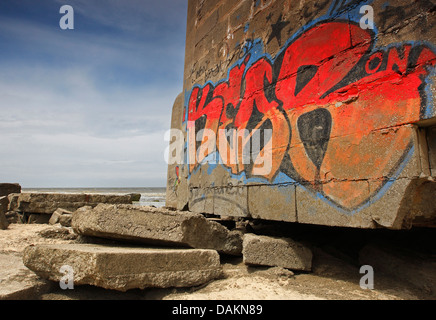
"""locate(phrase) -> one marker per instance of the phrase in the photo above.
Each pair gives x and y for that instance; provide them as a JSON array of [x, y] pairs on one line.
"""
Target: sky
[[89, 106]]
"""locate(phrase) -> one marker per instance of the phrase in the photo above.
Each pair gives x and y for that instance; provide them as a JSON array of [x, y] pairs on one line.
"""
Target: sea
[[150, 196]]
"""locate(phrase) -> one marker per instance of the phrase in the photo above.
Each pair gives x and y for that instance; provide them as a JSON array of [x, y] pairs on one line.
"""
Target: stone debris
[[47, 203], [156, 226], [276, 252], [63, 233], [37, 218], [123, 268], [61, 216]]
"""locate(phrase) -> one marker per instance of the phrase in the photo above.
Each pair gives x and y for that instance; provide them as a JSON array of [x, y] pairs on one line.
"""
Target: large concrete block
[[124, 268], [274, 251], [272, 202], [155, 226], [313, 209], [8, 188], [346, 105], [417, 269], [4, 202]]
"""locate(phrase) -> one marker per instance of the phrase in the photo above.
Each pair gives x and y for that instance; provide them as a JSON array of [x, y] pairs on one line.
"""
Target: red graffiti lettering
[[326, 98]]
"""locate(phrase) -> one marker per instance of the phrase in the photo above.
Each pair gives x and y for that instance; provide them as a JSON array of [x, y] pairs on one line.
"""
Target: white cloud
[[86, 108]]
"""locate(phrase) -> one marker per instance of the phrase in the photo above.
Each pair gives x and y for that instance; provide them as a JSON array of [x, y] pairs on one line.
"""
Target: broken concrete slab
[[124, 268], [156, 226], [276, 252], [47, 203], [56, 216], [17, 282], [8, 188]]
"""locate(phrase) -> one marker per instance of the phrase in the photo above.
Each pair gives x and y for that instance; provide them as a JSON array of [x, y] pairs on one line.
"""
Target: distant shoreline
[[154, 196]]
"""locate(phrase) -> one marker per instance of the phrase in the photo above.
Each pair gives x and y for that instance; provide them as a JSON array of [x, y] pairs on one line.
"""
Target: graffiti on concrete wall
[[327, 99]]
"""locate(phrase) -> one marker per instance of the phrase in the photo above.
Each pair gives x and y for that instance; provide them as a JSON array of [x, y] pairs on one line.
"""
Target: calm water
[[149, 196]]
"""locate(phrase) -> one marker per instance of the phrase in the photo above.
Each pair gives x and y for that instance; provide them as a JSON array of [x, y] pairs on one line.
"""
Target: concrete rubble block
[[415, 268], [156, 226], [8, 188], [65, 220], [47, 203], [276, 252], [3, 209], [124, 268], [55, 217]]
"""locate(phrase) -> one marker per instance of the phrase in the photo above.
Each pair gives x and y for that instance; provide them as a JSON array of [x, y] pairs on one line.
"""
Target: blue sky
[[88, 107]]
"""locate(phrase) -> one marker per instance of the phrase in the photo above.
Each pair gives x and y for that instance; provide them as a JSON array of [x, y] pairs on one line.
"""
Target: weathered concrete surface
[[344, 142], [8, 188], [155, 226], [124, 268], [17, 282], [275, 251], [4, 202], [47, 203]]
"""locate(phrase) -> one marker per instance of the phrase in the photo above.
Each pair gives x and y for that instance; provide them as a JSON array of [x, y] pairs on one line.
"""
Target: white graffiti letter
[[67, 21]]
